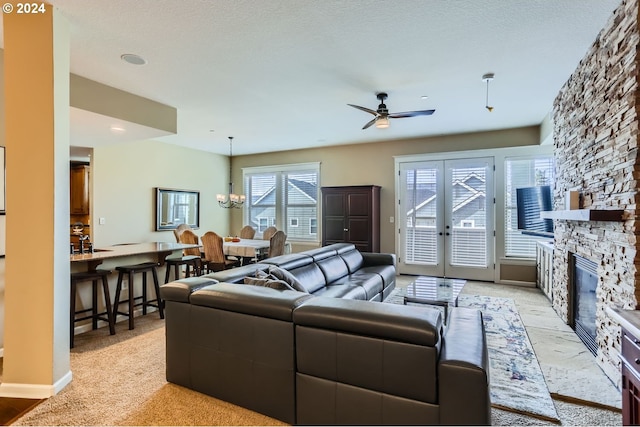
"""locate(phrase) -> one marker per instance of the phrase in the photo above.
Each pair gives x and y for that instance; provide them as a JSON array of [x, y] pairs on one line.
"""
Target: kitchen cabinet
[[79, 185], [351, 214]]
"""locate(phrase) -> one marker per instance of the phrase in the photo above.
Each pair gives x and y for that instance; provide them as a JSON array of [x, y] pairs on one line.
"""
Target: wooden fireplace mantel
[[584, 215]]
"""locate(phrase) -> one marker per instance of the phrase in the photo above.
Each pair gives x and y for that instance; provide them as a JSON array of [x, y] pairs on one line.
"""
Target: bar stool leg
[[167, 274], [94, 300], [107, 303], [144, 293], [157, 288], [131, 300]]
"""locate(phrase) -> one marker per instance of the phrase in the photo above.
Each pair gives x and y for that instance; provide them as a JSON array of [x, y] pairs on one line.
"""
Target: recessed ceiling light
[[132, 58], [424, 97], [117, 129]]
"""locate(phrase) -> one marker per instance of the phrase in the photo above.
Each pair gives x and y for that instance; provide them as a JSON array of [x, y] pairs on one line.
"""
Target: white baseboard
[[34, 391]]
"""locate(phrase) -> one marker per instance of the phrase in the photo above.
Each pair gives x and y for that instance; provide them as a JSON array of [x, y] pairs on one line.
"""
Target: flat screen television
[[531, 201]]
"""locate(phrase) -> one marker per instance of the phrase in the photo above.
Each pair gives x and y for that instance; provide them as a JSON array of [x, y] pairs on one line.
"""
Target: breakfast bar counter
[[158, 250]]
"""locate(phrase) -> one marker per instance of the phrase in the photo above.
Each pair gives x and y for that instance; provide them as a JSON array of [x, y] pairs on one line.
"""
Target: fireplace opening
[[583, 282]]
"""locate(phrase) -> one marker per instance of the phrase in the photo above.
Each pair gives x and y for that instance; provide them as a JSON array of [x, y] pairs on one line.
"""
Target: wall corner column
[[36, 323]]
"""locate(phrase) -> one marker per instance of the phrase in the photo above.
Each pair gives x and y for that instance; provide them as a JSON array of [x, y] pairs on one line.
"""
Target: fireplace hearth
[[583, 282]]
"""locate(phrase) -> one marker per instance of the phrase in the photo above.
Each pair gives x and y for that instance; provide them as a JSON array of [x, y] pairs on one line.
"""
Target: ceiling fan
[[382, 115]]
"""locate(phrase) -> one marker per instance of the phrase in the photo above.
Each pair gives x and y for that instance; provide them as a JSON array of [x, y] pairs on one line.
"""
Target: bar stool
[[107, 316], [176, 262], [130, 271]]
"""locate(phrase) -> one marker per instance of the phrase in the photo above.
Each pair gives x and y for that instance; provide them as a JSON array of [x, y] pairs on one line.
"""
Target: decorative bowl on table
[[235, 239]]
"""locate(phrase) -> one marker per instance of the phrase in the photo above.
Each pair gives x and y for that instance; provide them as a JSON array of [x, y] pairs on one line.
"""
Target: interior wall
[[124, 180], [596, 149], [373, 163]]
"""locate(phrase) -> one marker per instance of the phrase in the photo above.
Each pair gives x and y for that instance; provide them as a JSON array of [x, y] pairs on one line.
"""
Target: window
[[523, 172], [285, 195]]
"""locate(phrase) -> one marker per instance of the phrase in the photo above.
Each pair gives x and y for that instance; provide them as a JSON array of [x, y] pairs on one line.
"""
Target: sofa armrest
[[463, 371], [181, 290], [371, 258]]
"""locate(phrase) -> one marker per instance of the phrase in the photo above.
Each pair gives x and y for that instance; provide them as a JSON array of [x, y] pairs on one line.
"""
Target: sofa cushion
[[345, 291], [387, 272], [333, 268], [287, 277], [280, 285], [353, 259], [311, 276], [371, 283]]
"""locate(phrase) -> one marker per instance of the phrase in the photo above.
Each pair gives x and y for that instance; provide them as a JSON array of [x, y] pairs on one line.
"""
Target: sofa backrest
[[236, 275], [254, 300], [353, 259], [333, 268], [310, 276], [389, 349], [288, 261]]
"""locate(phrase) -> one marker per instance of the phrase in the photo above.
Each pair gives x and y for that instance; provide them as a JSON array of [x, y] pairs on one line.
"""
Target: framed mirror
[[175, 207]]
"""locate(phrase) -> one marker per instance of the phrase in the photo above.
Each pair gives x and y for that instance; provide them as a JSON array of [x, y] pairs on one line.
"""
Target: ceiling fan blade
[[411, 114], [370, 123], [368, 110]]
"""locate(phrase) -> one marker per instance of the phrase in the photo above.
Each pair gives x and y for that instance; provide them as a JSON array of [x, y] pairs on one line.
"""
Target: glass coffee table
[[436, 291]]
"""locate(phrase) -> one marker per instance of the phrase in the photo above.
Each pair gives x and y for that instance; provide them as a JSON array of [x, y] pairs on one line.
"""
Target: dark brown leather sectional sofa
[[305, 358]]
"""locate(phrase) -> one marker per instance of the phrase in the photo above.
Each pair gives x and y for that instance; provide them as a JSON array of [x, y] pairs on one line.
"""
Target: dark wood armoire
[[352, 215]]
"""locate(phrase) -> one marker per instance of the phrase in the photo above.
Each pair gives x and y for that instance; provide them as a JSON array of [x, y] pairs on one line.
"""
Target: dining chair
[[276, 244], [268, 232], [189, 237], [190, 258], [247, 232], [179, 229], [214, 258]]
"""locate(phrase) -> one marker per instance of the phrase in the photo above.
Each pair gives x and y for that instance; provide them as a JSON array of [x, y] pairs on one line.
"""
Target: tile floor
[[569, 368]]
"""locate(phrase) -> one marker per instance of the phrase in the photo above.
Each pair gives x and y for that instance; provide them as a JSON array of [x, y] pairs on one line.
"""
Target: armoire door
[[352, 215]]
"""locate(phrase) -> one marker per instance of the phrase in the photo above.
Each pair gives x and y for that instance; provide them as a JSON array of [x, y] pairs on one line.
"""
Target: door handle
[[440, 233], [447, 233], [345, 229]]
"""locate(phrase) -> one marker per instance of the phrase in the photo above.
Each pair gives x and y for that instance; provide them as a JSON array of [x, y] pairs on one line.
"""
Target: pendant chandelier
[[231, 200]]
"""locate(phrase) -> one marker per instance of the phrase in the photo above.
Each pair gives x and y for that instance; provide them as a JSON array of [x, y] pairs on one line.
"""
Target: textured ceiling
[[277, 74]]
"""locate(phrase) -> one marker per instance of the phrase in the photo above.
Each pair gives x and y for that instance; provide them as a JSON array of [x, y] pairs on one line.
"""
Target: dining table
[[249, 248]]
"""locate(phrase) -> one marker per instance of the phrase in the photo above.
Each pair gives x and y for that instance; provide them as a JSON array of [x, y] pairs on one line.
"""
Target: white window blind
[[419, 195], [468, 202], [523, 172], [283, 196]]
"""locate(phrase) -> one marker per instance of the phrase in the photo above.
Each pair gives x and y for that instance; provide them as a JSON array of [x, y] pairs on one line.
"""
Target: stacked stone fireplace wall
[[596, 148]]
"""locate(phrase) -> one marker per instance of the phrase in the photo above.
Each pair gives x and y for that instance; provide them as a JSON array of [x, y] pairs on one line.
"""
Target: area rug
[[516, 380]]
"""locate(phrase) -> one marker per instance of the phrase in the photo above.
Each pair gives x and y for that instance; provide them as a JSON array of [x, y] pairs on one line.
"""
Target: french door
[[446, 218]]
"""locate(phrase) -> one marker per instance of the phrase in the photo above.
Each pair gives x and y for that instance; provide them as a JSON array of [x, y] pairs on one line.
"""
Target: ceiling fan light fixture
[[382, 122]]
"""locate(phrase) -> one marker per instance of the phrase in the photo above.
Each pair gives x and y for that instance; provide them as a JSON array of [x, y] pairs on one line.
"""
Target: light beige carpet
[[120, 380]]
